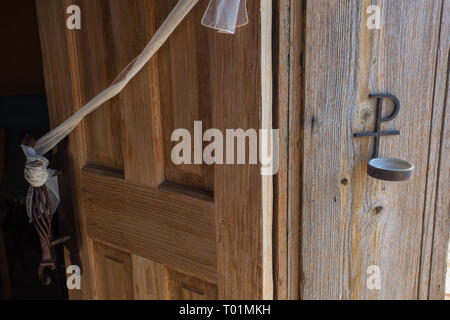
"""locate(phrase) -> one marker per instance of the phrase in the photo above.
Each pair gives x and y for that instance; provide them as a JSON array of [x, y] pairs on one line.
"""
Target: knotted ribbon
[[37, 175]]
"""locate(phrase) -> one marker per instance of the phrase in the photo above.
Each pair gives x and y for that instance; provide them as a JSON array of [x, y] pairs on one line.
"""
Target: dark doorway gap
[[23, 110]]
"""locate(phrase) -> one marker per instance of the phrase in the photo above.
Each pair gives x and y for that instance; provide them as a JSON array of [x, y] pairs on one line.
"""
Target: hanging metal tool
[[41, 215]]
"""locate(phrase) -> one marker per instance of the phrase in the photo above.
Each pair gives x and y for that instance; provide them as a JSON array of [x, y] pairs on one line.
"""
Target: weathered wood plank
[[436, 231], [350, 221], [266, 82], [163, 226], [281, 121], [296, 107], [289, 57]]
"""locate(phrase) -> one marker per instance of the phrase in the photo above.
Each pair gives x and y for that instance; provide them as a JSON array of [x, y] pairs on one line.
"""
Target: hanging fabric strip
[[43, 194], [36, 171], [51, 139], [226, 15]]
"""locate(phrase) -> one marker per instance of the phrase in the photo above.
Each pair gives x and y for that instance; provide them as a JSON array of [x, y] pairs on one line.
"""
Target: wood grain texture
[[133, 24], [155, 281], [267, 124], [289, 98], [150, 279], [436, 230], [185, 90], [62, 83], [163, 226], [95, 46], [185, 287], [350, 221], [438, 270], [296, 156], [114, 273], [236, 66], [153, 215], [281, 121]]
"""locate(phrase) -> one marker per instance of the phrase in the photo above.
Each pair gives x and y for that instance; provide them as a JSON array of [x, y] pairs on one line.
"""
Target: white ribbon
[[224, 15], [37, 174], [51, 139]]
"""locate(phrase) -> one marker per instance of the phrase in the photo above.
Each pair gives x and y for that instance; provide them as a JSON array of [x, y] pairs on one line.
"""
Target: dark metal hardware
[[388, 169], [42, 217], [378, 133]]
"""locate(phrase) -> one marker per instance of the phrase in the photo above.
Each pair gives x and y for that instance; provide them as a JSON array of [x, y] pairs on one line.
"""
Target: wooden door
[[146, 228], [350, 221]]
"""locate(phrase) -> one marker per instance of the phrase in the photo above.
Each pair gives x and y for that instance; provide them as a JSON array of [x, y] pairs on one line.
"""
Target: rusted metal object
[[42, 217]]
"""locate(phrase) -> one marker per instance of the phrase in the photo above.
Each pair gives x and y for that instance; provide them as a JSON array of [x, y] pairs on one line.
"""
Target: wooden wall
[[347, 221]]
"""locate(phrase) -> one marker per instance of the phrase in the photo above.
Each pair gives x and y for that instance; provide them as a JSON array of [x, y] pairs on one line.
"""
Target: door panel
[[185, 287], [349, 220], [113, 268], [104, 147], [165, 226], [148, 229], [150, 279], [185, 78]]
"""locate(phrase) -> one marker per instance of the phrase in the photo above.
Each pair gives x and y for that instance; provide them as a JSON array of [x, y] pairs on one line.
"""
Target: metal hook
[[42, 215], [380, 97], [46, 278], [386, 168], [48, 260], [378, 133]]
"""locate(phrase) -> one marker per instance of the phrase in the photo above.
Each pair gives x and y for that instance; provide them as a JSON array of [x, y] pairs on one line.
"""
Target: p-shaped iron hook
[[380, 119], [388, 169]]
